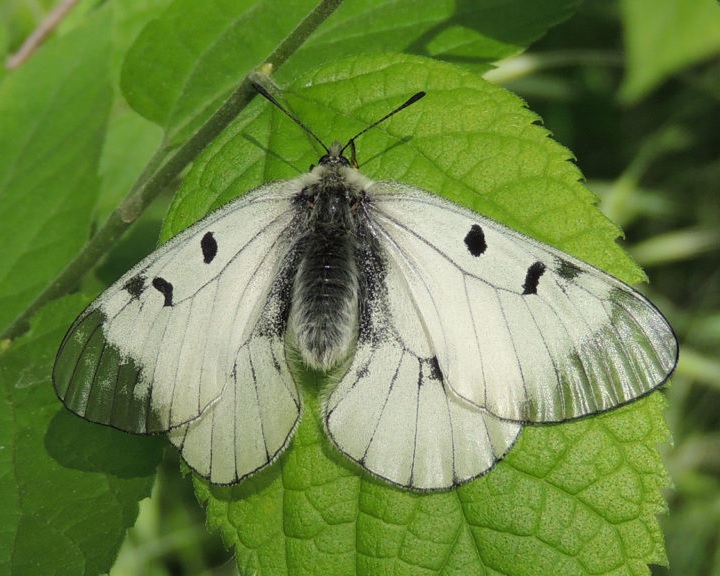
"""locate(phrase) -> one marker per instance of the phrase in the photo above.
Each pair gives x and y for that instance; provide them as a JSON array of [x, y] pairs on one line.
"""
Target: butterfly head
[[334, 156], [335, 179]]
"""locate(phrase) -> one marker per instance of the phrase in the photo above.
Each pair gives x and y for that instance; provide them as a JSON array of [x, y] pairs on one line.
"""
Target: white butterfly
[[446, 330]]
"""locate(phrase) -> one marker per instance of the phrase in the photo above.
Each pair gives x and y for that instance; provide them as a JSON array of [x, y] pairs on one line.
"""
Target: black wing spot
[[429, 370], [567, 270], [135, 286], [475, 240], [209, 247], [435, 371], [165, 288], [533, 277]]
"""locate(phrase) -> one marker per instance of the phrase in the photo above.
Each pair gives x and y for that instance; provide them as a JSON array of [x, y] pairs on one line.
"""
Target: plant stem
[[159, 174]]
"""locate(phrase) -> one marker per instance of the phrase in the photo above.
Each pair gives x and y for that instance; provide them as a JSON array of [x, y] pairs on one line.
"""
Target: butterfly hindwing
[[393, 413], [519, 329], [193, 329], [250, 424]]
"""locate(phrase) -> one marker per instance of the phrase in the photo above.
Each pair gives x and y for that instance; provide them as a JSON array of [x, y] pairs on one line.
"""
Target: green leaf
[[186, 62], [663, 37], [577, 498], [54, 112], [471, 33], [130, 139], [68, 489]]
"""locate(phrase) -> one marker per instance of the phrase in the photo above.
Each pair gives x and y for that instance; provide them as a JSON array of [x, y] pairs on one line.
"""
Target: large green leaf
[[185, 63], [188, 60], [578, 498]]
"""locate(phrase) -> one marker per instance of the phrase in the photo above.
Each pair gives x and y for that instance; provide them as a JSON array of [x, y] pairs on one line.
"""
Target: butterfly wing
[[253, 420], [191, 341], [519, 328], [393, 413]]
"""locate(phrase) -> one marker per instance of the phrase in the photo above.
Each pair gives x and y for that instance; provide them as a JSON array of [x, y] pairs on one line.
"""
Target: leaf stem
[[158, 175]]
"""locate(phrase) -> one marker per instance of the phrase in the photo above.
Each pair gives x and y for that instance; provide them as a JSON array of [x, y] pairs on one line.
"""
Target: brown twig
[[32, 43]]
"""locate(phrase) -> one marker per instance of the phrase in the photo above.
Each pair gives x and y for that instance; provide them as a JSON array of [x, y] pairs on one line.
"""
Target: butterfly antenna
[[351, 143], [289, 114]]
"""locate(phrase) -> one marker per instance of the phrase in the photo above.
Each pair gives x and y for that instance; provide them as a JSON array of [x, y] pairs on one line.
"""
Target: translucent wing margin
[[392, 411], [174, 339], [519, 328]]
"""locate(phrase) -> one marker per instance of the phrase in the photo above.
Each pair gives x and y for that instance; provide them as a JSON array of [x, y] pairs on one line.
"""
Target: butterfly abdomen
[[323, 316]]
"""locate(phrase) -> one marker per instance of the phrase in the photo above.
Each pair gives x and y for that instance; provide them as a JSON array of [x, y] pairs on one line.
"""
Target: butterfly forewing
[[520, 329], [172, 338]]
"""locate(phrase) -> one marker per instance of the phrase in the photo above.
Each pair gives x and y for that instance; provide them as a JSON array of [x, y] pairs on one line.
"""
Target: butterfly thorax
[[325, 296]]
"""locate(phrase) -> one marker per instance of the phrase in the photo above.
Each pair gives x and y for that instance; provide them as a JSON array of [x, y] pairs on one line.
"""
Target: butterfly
[[445, 332]]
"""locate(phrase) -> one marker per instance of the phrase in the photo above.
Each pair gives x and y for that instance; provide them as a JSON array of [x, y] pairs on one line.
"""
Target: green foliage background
[[630, 87]]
